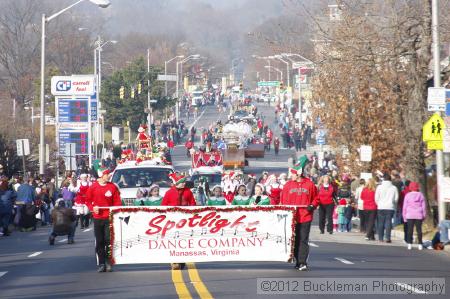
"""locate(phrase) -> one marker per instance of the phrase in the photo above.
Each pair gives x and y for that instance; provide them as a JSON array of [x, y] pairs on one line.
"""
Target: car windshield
[[142, 177], [213, 179], [241, 113]]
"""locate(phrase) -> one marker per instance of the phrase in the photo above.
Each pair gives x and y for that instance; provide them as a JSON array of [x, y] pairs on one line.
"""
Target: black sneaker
[[388, 241], [101, 268], [322, 232], [108, 267], [51, 240], [303, 267]]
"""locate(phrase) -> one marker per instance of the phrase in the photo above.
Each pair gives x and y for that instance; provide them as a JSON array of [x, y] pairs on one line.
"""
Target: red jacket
[[178, 197], [107, 195], [368, 198], [302, 193], [170, 144], [80, 198], [325, 195]]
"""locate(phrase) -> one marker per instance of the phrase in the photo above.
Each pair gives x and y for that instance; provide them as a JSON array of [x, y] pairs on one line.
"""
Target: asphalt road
[[30, 268]]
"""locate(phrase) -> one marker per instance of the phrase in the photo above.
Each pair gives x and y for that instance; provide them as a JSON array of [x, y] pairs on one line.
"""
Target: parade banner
[[207, 234]]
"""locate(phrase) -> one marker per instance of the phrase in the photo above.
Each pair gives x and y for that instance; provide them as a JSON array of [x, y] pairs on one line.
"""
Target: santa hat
[[103, 171], [83, 175], [177, 179], [252, 176], [282, 175], [142, 128], [342, 201]]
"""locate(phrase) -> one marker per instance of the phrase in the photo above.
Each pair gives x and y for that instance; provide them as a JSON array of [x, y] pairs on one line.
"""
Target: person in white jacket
[[386, 198]]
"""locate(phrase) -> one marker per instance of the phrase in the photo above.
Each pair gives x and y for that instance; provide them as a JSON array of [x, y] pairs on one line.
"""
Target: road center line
[[62, 240], [199, 286], [313, 244], [87, 230], [35, 254], [180, 287], [3, 273], [197, 119], [343, 261], [410, 288]]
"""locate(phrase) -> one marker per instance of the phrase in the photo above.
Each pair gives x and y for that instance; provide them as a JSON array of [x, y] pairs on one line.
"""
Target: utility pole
[[150, 112], [437, 83]]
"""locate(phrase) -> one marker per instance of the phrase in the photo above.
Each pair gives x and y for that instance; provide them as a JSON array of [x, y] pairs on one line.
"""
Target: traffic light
[[139, 88], [132, 93], [241, 86], [122, 92], [281, 86]]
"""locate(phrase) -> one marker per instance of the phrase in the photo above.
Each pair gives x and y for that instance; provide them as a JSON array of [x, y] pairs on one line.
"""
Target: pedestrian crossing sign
[[433, 129]]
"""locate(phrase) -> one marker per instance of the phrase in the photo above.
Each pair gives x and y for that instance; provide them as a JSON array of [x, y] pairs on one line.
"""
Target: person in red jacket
[[178, 195], [301, 192], [370, 208], [100, 196], [326, 204]]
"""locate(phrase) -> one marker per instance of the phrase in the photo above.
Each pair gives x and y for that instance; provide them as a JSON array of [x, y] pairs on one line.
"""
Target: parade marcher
[[274, 191], [414, 212], [216, 199], [386, 197], [80, 201], [100, 196], [64, 222], [241, 199], [276, 145], [203, 190], [259, 199], [178, 195], [229, 187], [141, 197], [370, 208], [301, 192], [282, 179], [326, 194]]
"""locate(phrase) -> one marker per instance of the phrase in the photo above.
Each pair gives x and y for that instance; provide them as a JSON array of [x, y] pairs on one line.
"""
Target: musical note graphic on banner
[[192, 233], [176, 235], [254, 234], [204, 231], [279, 239]]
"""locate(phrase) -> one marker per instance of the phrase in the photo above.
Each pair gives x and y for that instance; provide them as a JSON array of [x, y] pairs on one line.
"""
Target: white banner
[[75, 85], [193, 234]]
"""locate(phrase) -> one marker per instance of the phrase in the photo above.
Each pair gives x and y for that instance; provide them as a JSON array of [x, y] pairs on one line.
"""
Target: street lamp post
[[288, 78], [165, 70], [180, 64], [44, 20], [276, 69]]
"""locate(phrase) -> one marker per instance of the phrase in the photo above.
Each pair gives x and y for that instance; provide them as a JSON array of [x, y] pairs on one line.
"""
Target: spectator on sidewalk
[[414, 212], [358, 199], [386, 197], [370, 208], [7, 197]]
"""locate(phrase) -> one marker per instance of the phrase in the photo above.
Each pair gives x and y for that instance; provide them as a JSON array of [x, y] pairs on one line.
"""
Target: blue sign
[[320, 137], [80, 138], [73, 110], [94, 110], [447, 109]]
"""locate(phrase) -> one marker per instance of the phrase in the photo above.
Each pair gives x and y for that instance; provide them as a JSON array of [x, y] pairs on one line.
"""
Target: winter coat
[[25, 193], [239, 200], [386, 196], [325, 195], [262, 200], [63, 218], [6, 201], [148, 201], [107, 195], [341, 214], [178, 197], [414, 206], [368, 199], [216, 201], [303, 193]]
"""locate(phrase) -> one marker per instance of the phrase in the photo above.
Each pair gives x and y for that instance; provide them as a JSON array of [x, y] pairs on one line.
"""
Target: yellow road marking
[[197, 282], [180, 285]]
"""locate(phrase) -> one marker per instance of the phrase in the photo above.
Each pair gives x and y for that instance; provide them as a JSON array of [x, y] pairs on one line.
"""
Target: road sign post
[[23, 149]]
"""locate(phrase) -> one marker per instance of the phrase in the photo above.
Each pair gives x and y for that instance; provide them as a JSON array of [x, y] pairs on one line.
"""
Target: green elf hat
[[296, 169], [177, 179]]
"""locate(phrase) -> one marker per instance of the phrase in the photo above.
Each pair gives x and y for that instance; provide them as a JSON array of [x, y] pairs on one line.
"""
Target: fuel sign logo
[[63, 85]]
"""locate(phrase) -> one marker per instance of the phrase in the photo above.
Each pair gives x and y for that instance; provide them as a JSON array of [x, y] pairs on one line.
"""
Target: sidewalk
[[353, 237]]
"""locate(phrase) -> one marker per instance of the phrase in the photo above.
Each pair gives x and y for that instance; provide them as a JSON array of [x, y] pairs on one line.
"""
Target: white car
[[129, 177]]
